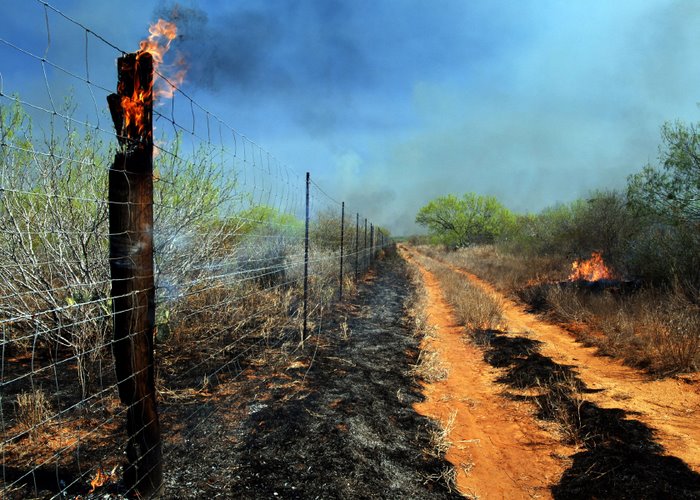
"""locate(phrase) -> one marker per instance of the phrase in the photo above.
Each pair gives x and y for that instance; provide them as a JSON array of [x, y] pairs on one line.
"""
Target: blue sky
[[391, 103]]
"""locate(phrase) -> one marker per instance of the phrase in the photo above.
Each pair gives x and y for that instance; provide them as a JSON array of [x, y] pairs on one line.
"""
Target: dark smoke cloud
[[324, 63], [270, 50], [394, 103]]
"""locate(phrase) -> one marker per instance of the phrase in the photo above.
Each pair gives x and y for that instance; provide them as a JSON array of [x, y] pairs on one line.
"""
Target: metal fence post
[[371, 243], [131, 266], [364, 249], [357, 246], [342, 241], [306, 262]]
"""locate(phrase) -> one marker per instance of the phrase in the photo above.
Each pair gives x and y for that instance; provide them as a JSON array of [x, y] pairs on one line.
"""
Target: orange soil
[[498, 449], [669, 406]]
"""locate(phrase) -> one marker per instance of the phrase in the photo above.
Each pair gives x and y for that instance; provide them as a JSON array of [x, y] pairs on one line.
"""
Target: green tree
[[669, 194], [466, 220], [672, 189]]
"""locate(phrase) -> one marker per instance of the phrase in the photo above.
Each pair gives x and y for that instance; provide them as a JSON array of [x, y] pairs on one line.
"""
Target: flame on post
[[162, 33], [593, 269]]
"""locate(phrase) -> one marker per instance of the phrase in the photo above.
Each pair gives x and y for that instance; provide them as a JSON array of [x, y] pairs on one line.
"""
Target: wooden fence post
[[131, 270]]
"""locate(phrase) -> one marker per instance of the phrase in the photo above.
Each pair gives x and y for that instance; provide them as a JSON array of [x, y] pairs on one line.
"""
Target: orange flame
[[593, 269], [100, 479], [162, 33], [152, 45]]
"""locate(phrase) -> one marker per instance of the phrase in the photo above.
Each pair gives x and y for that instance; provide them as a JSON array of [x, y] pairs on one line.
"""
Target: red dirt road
[[498, 449], [670, 406]]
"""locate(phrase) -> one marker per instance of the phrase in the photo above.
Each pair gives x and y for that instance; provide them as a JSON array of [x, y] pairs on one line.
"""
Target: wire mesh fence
[[241, 263]]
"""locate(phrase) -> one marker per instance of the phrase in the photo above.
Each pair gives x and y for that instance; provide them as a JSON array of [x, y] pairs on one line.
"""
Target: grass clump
[[32, 411]]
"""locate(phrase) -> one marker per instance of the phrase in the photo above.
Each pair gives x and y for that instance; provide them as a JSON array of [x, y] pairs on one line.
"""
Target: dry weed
[[344, 329], [657, 329], [447, 476], [473, 307], [674, 335], [439, 444], [32, 410], [439, 436], [430, 367], [560, 401], [506, 271]]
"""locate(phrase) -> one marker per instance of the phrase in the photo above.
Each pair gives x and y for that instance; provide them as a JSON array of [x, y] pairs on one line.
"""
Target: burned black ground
[[337, 423], [619, 457]]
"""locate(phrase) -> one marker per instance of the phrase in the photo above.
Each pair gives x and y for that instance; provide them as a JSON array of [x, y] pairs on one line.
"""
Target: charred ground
[[337, 423]]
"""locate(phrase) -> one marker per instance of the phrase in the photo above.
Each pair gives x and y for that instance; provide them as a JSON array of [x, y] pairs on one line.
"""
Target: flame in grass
[[162, 33], [593, 269], [101, 478]]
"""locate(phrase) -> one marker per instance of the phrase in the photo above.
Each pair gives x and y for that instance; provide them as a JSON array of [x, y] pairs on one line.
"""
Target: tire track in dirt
[[498, 449], [670, 406]]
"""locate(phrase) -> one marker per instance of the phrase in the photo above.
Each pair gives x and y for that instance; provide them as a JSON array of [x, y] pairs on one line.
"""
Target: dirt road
[[643, 434], [671, 406], [498, 450]]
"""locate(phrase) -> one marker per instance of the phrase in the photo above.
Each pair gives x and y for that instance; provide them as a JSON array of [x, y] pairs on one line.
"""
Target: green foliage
[[324, 230], [262, 215], [603, 222], [669, 196], [672, 190], [466, 220]]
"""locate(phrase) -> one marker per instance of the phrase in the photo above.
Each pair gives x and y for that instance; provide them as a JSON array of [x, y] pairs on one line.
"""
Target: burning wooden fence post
[[131, 268]]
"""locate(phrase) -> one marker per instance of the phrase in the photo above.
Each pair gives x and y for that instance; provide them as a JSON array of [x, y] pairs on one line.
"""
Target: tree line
[[648, 230]]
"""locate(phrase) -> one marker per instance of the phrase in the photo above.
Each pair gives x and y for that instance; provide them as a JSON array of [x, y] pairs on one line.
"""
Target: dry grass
[[506, 271], [416, 306], [430, 367], [345, 329], [655, 329], [32, 410], [475, 309], [447, 476], [439, 436], [561, 402]]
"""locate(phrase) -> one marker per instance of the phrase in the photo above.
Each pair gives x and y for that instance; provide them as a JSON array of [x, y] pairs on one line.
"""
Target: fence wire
[[229, 254]]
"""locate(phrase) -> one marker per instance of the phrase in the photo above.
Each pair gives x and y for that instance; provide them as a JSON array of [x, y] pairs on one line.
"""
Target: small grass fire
[[593, 269], [101, 478]]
